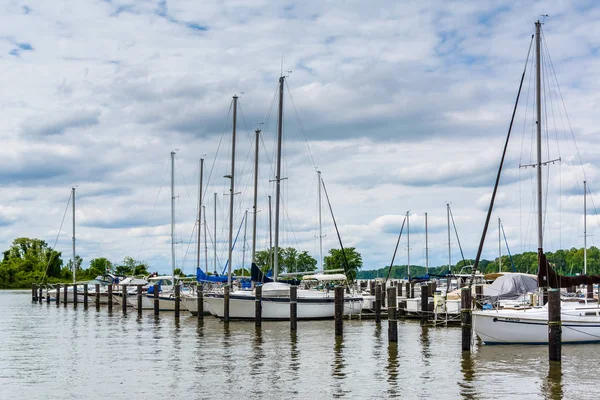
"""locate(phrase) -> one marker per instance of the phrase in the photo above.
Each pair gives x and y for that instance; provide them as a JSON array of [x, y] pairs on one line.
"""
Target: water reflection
[[256, 362], [425, 345], [338, 372], [392, 369], [467, 388], [552, 386]]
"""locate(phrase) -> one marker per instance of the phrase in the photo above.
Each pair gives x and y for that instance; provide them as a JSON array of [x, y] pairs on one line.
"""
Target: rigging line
[[152, 213], [487, 220], [507, 249], [395, 251], [188, 247], [58, 234], [301, 128], [218, 149], [346, 267], [547, 236], [457, 238]]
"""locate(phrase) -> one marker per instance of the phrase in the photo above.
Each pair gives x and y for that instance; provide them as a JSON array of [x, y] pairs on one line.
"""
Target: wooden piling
[[372, 288], [226, 304], [47, 294], [58, 295], [85, 295], [110, 299], [478, 297], [399, 288], [139, 300], [97, 296], [432, 288], [383, 294], [466, 317], [378, 303], [293, 307], [124, 298], [200, 300], [554, 325], [156, 302], [401, 308], [339, 308], [424, 304], [40, 294], [258, 306], [412, 290], [74, 295], [33, 292], [590, 292], [407, 289], [392, 315], [65, 294], [177, 300]]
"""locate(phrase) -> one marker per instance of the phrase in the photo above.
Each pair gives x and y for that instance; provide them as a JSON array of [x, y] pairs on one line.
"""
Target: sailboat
[[580, 319], [311, 304]]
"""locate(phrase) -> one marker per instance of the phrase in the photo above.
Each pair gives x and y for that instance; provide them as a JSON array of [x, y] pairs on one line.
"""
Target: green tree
[[178, 272], [351, 263], [99, 266], [28, 260]]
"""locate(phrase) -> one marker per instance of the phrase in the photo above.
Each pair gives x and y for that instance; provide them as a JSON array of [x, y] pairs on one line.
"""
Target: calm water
[[48, 353]]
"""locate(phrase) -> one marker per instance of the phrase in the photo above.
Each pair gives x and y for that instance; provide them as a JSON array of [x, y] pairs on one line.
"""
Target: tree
[[178, 272], [351, 263], [99, 266], [28, 260], [289, 260]]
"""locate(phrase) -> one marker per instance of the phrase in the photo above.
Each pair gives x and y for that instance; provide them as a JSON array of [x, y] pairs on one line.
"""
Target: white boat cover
[[510, 286]]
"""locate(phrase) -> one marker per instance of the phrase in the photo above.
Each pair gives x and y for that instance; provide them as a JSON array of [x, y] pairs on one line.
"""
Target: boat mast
[[426, 247], [254, 209], [74, 259], [320, 222], [449, 247], [215, 238], [205, 243], [173, 216], [278, 178], [200, 213], [538, 97], [270, 235], [584, 227], [244, 247], [408, 241], [499, 246], [231, 193]]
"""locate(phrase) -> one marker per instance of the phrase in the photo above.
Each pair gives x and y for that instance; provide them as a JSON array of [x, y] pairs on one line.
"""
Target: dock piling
[[34, 293], [478, 297], [85, 296], [399, 288], [466, 317], [110, 299], [383, 294], [124, 298], [58, 295], [293, 308], [554, 325], [156, 302], [47, 294], [378, 303], [97, 296], [200, 300], [392, 315], [339, 309], [74, 295], [424, 304], [65, 294], [226, 304], [139, 299], [40, 294], [258, 306], [177, 300]]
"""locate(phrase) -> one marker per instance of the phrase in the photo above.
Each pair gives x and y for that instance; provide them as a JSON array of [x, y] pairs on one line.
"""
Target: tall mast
[[449, 247], [244, 247], [278, 179], [231, 192], [254, 209], [270, 235], [205, 243], [173, 215], [499, 246], [408, 241], [426, 247], [200, 212], [584, 227], [320, 223], [538, 97], [215, 238], [74, 259]]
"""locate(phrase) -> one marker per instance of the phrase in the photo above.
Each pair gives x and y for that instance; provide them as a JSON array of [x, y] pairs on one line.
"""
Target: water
[[49, 352]]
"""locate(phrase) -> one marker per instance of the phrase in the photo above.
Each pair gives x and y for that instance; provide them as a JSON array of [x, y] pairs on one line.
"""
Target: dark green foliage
[[289, 260], [351, 263]]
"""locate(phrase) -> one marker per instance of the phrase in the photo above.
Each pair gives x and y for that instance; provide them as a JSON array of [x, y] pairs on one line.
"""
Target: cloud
[[59, 124]]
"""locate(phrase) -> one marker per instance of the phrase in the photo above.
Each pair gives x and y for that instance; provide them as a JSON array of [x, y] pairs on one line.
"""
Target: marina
[[76, 352]]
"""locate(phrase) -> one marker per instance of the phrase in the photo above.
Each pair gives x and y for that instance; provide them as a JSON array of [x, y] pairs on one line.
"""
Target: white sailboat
[[311, 304], [580, 318]]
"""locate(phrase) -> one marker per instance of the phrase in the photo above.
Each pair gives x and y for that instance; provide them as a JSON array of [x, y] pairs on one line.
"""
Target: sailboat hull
[[278, 308]]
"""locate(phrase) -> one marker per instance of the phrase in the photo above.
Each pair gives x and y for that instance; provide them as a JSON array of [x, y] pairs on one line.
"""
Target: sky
[[403, 107]]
